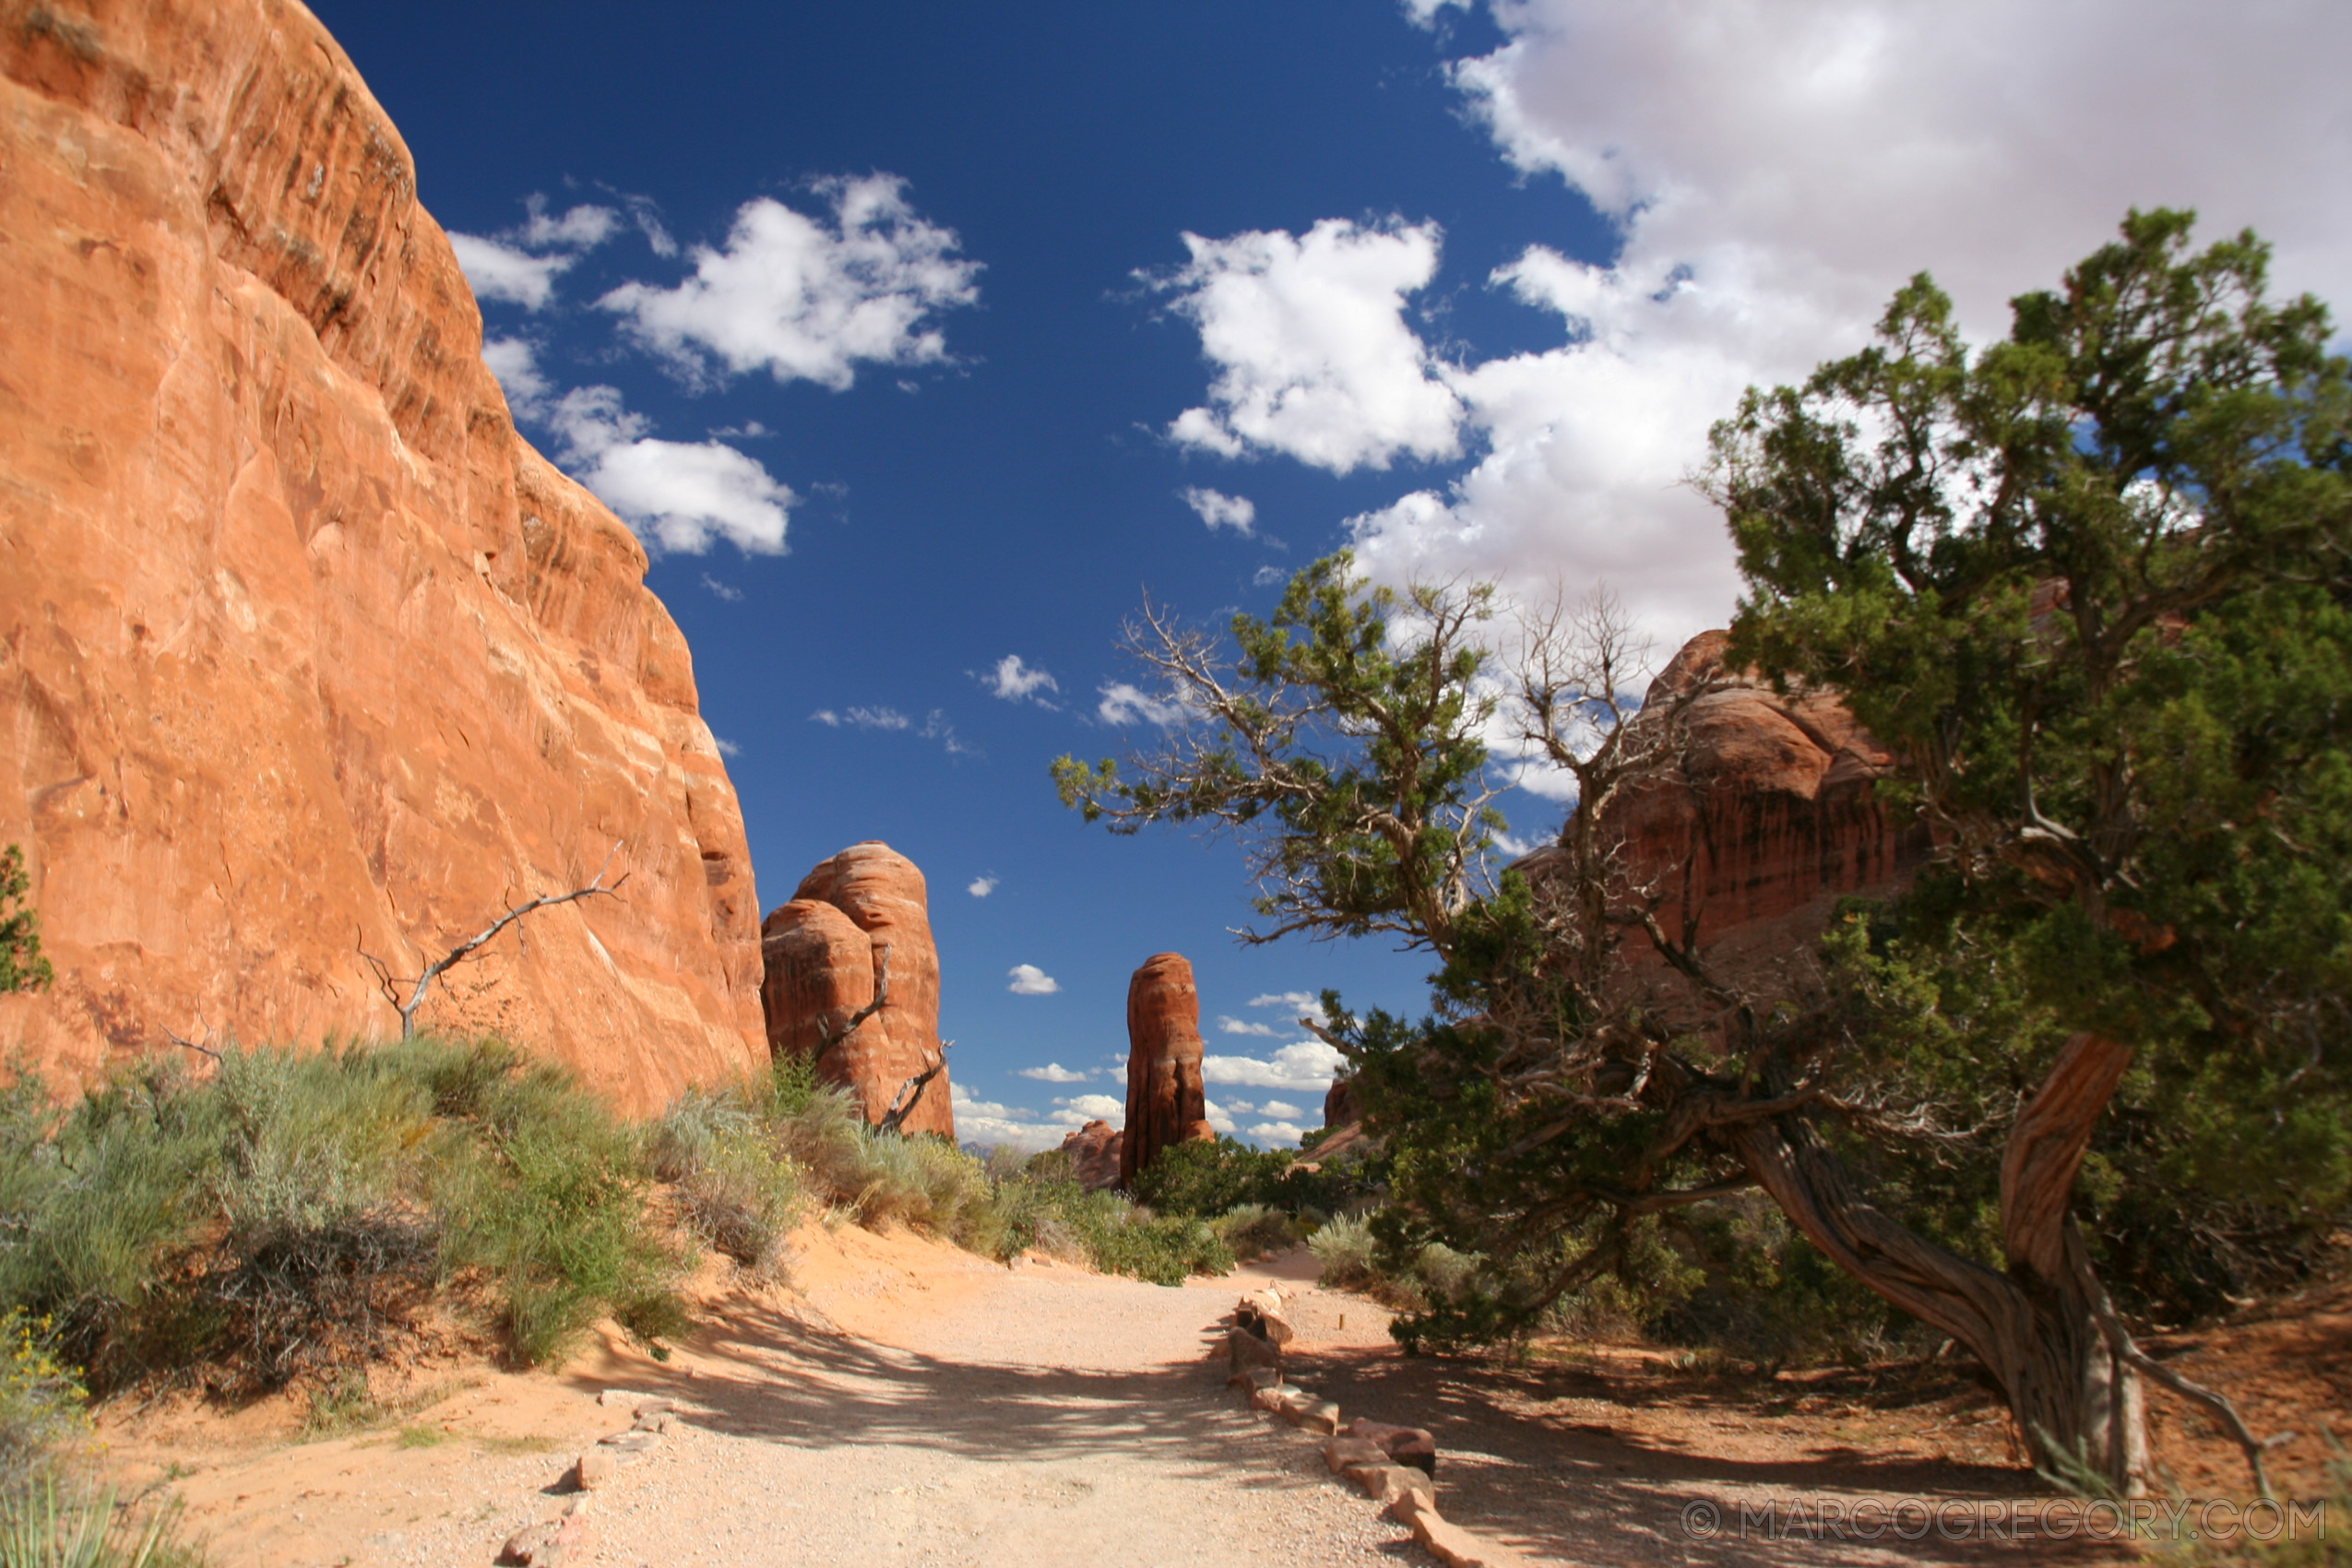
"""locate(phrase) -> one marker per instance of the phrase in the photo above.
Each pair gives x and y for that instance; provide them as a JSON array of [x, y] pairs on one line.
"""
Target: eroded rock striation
[[1765, 820], [825, 951], [304, 653], [1167, 1100]]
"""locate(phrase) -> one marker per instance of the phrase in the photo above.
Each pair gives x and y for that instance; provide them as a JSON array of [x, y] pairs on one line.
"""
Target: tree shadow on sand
[[1552, 1488]]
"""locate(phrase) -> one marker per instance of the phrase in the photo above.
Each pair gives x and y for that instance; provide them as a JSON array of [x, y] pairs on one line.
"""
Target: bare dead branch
[[2120, 1341], [1331, 1038], [827, 1039], [202, 1047], [457, 955], [910, 1093]]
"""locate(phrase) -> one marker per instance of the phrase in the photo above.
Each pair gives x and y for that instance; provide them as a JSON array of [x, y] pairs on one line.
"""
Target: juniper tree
[[2090, 587]]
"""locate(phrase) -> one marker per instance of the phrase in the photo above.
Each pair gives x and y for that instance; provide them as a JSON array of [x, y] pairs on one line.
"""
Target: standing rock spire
[[825, 952], [1166, 1102]]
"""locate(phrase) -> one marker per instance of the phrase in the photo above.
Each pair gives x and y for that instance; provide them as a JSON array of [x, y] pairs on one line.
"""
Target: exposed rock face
[[1767, 823], [824, 955], [1094, 1155], [820, 975], [1166, 1102], [303, 649], [1339, 1103]]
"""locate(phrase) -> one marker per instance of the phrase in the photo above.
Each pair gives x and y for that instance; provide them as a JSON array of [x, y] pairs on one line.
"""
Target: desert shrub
[[1346, 1248], [1207, 1178], [741, 1199], [544, 1191], [1444, 1273], [1254, 1230], [1047, 1213], [1210, 1178], [1163, 1249], [283, 1217], [736, 1190], [814, 1125], [93, 1199], [322, 1252], [41, 1403], [1752, 1287], [1050, 1164], [53, 1523]]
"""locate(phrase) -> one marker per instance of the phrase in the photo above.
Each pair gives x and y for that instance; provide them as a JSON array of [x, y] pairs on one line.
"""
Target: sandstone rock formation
[[303, 649], [824, 954], [1339, 1103], [1167, 1101], [1765, 822], [1094, 1155]]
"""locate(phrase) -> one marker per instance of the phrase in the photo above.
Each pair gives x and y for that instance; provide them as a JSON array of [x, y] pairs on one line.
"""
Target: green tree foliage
[[21, 965], [1209, 1177], [1353, 769], [2091, 585]]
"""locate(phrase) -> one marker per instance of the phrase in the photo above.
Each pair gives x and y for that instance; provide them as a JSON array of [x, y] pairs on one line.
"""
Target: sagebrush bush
[[281, 1218], [1255, 1230], [737, 1190], [543, 1191], [1346, 1248]]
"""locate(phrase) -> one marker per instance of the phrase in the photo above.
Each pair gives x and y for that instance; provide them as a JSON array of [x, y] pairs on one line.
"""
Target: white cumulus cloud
[[514, 361], [1313, 354], [1307, 1066], [1277, 1132], [1016, 682], [678, 495], [1306, 1001], [521, 266], [1092, 1108], [980, 886], [1030, 980], [992, 1121], [583, 228], [1775, 172], [1124, 704], [806, 299], [1054, 1073], [501, 271], [1219, 510], [1244, 1026]]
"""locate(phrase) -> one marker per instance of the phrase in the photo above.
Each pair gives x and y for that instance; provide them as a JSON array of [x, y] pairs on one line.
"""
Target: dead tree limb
[[910, 1093], [828, 1039], [2125, 1348], [391, 983], [202, 1047]]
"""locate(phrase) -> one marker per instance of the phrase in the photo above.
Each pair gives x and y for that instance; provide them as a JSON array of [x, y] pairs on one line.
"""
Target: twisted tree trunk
[[2073, 1387]]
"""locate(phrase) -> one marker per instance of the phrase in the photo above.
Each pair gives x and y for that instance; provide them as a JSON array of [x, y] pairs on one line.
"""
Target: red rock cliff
[[1094, 1155], [1167, 1100], [823, 961], [303, 649], [1768, 819]]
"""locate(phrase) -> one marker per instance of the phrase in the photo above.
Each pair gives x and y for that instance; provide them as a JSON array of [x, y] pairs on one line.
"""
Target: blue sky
[[916, 338]]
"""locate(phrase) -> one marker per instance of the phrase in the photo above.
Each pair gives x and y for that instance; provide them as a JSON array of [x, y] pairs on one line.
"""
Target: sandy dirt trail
[[906, 1403], [965, 1414]]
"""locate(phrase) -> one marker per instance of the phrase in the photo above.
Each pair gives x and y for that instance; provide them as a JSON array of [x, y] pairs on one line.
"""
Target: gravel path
[[1036, 1418]]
